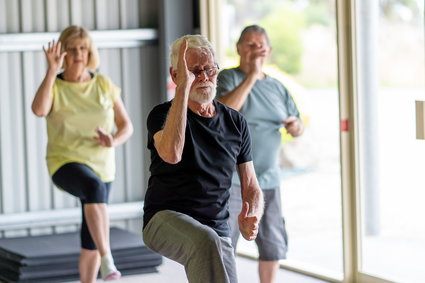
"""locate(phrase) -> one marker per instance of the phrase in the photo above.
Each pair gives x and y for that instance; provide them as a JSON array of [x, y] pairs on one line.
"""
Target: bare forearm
[[43, 98], [123, 133], [252, 201], [254, 197], [171, 141], [237, 97], [251, 191]]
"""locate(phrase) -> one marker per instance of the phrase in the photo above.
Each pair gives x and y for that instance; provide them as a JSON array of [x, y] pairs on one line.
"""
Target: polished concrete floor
[[172, 272]]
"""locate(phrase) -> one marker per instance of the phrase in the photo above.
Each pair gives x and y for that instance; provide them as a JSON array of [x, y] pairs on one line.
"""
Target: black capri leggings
[[79, 180]]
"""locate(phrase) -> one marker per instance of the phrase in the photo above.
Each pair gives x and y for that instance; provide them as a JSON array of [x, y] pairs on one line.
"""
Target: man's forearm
[[170, 142], [237, 97], [254, 197], [250, 189]]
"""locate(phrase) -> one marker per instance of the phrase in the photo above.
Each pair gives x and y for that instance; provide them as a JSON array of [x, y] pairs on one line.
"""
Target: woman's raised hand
[[54, 55]]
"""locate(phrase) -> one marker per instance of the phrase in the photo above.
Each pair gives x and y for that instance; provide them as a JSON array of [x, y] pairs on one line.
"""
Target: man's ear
[[173, 75], [237, 48]]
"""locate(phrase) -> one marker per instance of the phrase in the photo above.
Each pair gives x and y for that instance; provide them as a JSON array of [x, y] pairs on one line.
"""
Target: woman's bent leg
[[81, 181]]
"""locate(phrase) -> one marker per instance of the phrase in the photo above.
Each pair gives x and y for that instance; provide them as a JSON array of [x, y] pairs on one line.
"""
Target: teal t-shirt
[[268, 104]]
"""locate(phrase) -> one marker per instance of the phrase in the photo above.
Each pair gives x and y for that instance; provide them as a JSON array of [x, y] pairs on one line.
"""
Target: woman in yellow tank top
[[86, 120]]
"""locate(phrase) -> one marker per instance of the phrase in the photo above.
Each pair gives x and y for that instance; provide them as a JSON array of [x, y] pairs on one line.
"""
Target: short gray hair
[[193, 41], [254, 29]]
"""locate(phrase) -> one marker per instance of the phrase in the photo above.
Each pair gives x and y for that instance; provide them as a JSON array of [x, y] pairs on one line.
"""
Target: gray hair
[[254, 29], [193, 41]]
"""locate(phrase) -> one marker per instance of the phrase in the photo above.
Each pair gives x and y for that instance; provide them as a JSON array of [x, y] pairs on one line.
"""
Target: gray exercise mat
[[54, 258], [54, 247]]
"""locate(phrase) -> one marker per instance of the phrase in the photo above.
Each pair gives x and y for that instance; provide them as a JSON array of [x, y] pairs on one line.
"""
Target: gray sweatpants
[[206, 256]]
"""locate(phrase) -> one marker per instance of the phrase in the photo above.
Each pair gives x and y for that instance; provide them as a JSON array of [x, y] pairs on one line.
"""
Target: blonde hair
[[193, 41], [73, 33]]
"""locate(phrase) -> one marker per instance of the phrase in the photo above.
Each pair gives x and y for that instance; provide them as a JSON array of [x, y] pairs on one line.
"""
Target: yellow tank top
[[77, 110]]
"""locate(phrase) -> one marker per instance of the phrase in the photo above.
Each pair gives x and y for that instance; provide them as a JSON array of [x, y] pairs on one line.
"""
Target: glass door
[[390, 73], [304, 59]]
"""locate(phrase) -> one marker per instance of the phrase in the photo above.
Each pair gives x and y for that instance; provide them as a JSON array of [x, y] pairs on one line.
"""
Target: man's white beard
[[203, 96]]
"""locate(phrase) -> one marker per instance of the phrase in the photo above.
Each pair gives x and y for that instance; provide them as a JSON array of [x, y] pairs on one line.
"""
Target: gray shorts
[[272, 240]]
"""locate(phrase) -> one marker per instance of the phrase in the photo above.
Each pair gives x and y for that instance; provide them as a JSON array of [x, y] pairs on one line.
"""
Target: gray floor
[[172, 272]]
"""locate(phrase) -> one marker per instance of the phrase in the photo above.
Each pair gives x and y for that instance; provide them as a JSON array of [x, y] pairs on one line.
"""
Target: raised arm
[[42, 103], [169, 142], [237, 97], [252, 201]]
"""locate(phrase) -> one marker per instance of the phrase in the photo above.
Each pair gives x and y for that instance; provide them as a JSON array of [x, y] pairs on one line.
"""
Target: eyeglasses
[[210, 72]]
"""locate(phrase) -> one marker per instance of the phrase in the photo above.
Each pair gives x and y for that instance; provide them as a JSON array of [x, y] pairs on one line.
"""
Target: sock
[[107, 265]]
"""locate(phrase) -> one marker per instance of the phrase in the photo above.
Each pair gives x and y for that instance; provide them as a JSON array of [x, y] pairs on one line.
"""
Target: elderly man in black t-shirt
[[195, 143]]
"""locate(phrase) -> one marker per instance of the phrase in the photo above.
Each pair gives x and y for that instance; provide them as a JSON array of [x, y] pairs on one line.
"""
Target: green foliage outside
[[284, 27], [285, 23], [293, 23]]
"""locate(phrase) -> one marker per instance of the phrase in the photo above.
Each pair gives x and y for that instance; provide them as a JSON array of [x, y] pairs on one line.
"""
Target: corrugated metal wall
[[131, 63]]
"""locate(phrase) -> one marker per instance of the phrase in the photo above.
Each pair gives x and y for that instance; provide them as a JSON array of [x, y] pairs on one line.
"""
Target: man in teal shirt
[[267, 106]]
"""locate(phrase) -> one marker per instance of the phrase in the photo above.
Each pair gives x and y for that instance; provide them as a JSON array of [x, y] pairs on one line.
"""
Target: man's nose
[[203, 76], [256, 45]]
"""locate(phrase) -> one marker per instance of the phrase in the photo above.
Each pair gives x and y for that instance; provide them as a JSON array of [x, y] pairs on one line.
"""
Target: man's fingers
[[250, 235], [184, 46], [182, 51], [248, 224], [261, 53], [252, 219], [245, 209], [290, 119]]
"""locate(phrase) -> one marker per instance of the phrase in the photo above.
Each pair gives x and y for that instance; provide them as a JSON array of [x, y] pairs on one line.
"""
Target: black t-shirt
[[199, 184]]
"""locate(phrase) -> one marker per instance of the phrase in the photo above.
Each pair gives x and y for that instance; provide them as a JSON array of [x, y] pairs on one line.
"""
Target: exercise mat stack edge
[[54, 258]]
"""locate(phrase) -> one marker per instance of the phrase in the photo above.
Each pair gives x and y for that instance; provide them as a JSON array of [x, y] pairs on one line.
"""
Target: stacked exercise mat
[[54, 258]]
